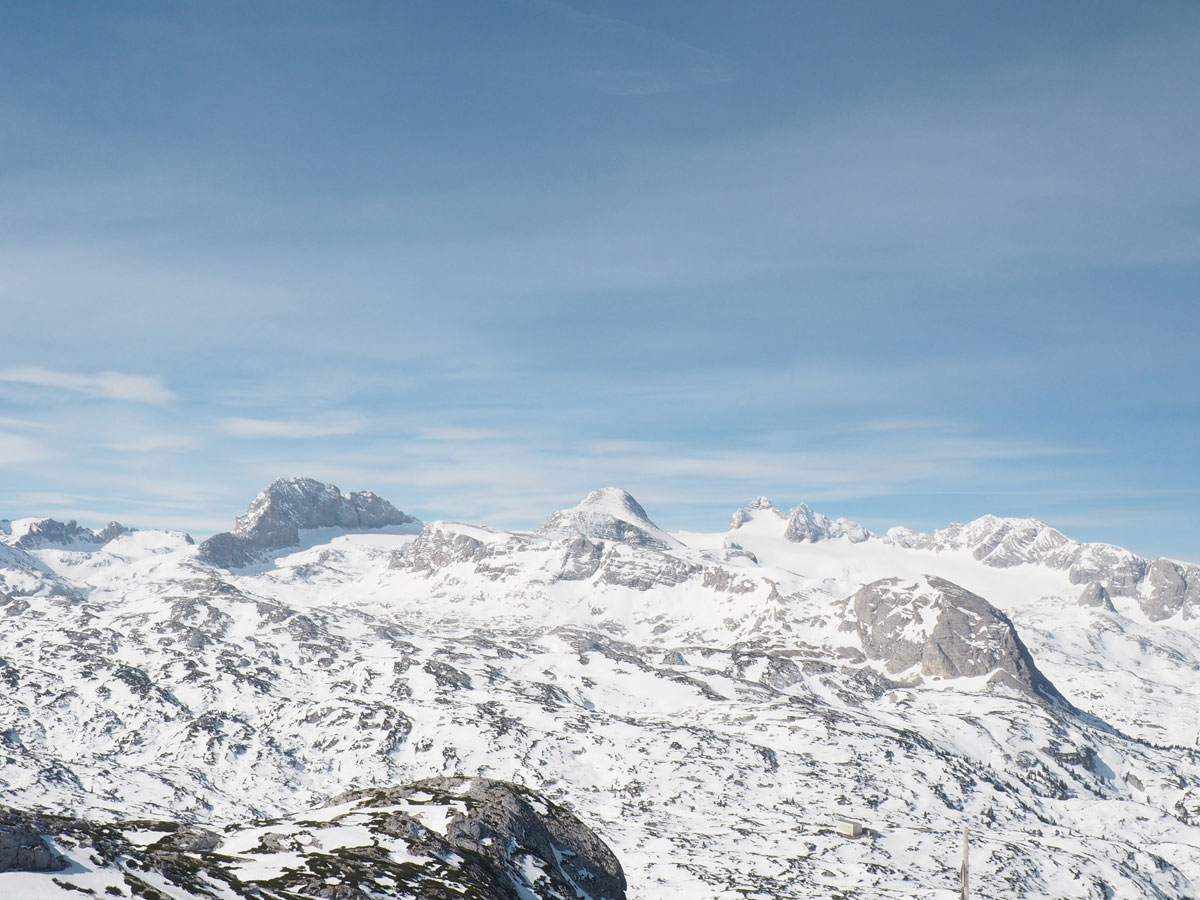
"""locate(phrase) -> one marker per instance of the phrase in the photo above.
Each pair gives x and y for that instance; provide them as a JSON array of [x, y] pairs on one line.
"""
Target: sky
[[909, 263]]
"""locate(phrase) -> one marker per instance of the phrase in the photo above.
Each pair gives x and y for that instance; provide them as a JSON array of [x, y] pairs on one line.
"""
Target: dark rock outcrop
[[442, 837], [947, 630], [501, 824], [23, 850]]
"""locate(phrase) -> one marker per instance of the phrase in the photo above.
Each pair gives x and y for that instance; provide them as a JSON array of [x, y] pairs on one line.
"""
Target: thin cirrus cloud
[[18, 449], [287, 429], [105, 385]]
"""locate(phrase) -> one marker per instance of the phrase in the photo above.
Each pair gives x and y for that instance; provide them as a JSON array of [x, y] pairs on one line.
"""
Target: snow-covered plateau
[[336, 700]]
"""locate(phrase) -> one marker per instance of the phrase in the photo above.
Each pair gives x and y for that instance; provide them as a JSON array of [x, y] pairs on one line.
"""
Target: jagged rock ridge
[[36, 534], [800, 524], [1163, 587], [289, 505], [805, 525]]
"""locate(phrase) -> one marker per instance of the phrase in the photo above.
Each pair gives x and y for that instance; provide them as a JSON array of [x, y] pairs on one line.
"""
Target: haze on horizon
[[908, 264]]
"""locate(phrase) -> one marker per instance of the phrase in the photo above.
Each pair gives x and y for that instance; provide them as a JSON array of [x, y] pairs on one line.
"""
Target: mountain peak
[[749, 512], [288, 506], [614, 500], [806, 526], [609, 514]]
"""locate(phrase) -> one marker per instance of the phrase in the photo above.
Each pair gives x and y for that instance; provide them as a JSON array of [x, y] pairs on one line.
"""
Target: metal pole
[[963, 870]]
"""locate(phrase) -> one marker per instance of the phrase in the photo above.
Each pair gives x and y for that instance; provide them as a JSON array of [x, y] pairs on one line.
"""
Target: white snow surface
[[709, 715]]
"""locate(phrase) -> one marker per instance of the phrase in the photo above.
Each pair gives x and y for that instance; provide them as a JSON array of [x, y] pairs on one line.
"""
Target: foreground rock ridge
[[440, 837], [336, 700]]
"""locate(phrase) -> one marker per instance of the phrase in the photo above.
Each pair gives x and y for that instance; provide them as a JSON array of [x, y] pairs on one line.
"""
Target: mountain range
[[334, 699]]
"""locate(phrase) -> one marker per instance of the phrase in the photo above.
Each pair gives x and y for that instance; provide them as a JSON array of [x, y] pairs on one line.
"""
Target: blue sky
[[911, 263]]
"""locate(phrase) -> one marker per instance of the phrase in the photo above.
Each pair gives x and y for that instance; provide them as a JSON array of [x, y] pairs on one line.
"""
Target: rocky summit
[[291, 505], [336, 700]]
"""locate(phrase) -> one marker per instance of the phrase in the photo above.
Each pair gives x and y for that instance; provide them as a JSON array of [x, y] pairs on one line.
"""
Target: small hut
[[849, 828]]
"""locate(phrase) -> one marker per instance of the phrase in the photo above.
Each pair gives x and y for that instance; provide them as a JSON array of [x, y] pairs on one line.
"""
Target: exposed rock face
[[1171, 587], [442, 837], [609, 514], [53, 533], [992, 540], [505, 816], [581, 558], [642, 571], [947, 630], [23, 850], [278, 515], [1187, 807], [498, 555], [1163, 587], [804, 525], [443, 544], [1095, 595], [1117, 568]]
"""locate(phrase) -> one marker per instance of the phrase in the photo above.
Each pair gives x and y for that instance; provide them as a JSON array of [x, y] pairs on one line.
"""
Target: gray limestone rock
[[442, 544], [1119, 570], [642, 571], [1003, 543], [1096, 595], [581, 559], [437, 547], [1170, 587], [23, 850], [1187, 807], [67, 535], [291, 505], [946, 630], [804, 525]]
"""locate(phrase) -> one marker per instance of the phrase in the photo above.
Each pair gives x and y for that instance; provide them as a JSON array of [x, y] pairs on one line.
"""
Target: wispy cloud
[[18, 449], [21, 424], [154, 442], [457, 434], [106, 385], [288, 429]]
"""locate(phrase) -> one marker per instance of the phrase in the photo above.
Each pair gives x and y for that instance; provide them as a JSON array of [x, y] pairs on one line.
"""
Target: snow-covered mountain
[[706, 704]]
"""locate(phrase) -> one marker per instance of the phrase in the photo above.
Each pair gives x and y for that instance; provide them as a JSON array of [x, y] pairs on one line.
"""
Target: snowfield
[[707, 704]]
